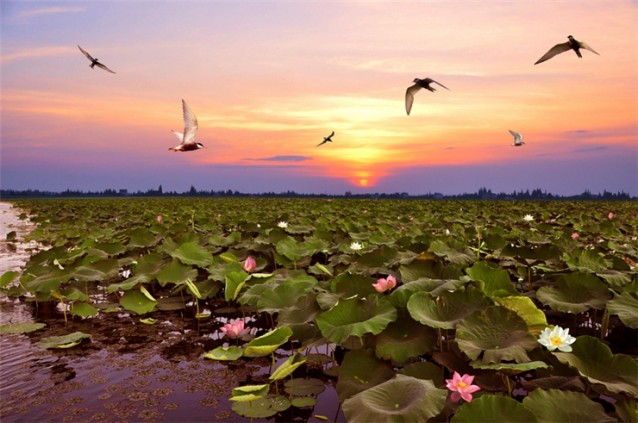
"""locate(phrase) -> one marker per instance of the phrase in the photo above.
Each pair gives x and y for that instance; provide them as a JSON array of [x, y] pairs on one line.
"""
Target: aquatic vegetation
[[402, 297]]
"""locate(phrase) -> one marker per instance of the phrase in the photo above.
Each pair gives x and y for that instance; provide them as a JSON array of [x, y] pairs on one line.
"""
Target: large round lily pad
[[493, 408], [555, 405], [402, 398], [446, 310], [496, 332]]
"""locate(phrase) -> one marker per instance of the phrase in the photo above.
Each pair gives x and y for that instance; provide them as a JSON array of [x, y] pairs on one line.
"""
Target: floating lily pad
[[230, 353], [304, 387], [249, 393], [7, 278], [262, 407], [402, 398], [303, 402], [525, 307], [555, 405], [192, 253], [64, 341], [24, 327]]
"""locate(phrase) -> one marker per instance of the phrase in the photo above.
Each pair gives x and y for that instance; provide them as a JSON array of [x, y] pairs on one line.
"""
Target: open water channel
[[129, 372]]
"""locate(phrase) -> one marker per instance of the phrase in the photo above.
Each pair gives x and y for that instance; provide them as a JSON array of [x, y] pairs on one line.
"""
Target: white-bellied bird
[[518, 138], [187, 138]]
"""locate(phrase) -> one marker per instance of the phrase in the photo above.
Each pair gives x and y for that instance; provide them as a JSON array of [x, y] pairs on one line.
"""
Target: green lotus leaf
[[303, 310], [594, 360], [294, 250], [571, 383], [110, 248], [625, 306], [493, 408], [404, 339], [149, 264], [287, 367], [493, 281], [230, 353], [7, 278], [24, 327], [47, 282], [175, 272], [361, 370], [587, 260], [303, 402], [320, 269], [448, 309], [83, 309], [235, 281], [141, 238], [555, 405], [511, 368], [262, 407], [496, 332], [355, 317], [348, 284], [627, 410], [304, 387], [249, 392], [442, 249], [424, 370], [400, 399], [378, 258], [224, 241], [284, 295], [532, 252], [148, 321], [137, 302], [64, 341], [575, 293], [192, 253], [73, 293], [400, 296], [525, 307], [267, 344], [128, 284]]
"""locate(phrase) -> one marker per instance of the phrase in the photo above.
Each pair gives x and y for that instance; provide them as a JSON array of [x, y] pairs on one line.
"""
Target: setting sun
[[363, 182]]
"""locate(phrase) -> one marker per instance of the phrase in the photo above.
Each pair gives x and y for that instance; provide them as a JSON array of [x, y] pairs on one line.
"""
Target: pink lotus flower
[[385, 284], [235, 329], [250, 264], [575, 235], [610, 215], [160, 218], [461, 387]]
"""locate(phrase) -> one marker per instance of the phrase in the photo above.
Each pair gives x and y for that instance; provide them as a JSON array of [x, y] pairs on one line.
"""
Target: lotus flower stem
[[604, 324], [508, 385], [529, 278], [438, 332]]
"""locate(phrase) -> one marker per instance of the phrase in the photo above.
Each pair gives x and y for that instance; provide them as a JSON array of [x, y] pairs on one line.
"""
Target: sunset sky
[[269, 79]]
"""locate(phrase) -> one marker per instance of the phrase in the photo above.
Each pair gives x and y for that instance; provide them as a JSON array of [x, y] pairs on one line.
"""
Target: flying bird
[[326, 139], [418, 84], [518, 138], [572, 44], [94, 61], [190, 130]]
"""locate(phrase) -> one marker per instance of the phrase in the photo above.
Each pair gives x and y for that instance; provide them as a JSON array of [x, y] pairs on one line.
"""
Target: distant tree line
[[481, 194]]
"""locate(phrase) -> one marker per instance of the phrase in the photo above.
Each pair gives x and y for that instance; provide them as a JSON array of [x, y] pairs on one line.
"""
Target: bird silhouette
[[326, 139], [94, 61], [418, 84], [187, 138], [518, 138], [571, 44]]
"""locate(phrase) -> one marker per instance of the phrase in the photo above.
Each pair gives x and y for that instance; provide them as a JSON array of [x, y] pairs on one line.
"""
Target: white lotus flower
[[282, 224], [528, 218], [556, 338], [356, 246]]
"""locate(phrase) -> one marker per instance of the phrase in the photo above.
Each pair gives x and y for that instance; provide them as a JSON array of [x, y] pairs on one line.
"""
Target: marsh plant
[[415, 310]]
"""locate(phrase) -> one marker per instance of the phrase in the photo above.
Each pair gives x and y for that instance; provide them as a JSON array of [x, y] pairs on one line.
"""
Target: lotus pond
[[276, 307]]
